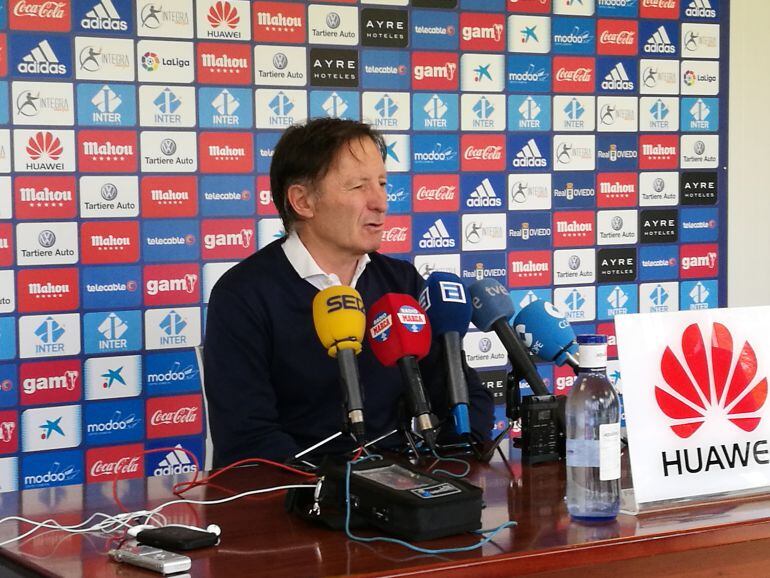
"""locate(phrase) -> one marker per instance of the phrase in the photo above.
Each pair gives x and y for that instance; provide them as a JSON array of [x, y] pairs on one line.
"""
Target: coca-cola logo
[[581, 74], [442, 193], [181, 415], [487, 153], [44, 9], [395, 235], [626, 37], [123, 466]]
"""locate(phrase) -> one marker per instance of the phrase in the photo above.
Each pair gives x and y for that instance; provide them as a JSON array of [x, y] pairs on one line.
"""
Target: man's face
[[350, 202]]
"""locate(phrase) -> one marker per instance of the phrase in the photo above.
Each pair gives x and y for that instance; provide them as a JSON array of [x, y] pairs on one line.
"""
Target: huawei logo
[[44, 144], [710, 382], [223, 14]]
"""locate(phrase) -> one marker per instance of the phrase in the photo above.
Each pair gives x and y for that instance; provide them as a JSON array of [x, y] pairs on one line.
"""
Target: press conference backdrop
[[572, 149]]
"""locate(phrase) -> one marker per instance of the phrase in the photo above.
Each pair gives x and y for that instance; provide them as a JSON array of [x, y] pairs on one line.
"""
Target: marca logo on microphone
[[231, 152], [37, 197], [436, 193], [482, 152], [227, 238], [223, 63], [397, 234], [697, 261], [48, 15], [574, 74], [573, 228], [171, 284], [435, 71], [616, 190], [667, 9], [658, 151], [484, 32], [618, 37], [50, 382], [114, 462], [281, 22], [529, 268], [174, 416], [113, 242], [47, 290], [164, 197], [107, 151]]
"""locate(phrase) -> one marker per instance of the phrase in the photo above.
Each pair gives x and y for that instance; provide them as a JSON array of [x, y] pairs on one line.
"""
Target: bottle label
[[583, 453], [593, 355], [609, 451]]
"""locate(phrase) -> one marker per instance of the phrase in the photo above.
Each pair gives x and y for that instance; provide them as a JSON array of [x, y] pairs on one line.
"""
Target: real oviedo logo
[[726, 386]]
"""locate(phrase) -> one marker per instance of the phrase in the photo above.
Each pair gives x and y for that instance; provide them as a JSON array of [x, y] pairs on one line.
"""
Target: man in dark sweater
[[272, 389]]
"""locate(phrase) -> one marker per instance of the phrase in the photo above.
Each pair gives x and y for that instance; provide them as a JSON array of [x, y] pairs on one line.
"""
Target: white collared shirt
[[307, 268]]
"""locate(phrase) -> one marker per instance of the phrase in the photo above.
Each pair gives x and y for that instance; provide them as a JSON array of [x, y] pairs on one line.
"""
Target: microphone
[[547, 333], [399, 334], [340, 322], [449, 312], [491, 309]]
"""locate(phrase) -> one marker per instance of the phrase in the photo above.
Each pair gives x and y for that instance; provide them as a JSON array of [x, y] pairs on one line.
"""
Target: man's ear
[[301, 199]]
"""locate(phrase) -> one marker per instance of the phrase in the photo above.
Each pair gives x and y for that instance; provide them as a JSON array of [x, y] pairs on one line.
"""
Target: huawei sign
[[725, 388]]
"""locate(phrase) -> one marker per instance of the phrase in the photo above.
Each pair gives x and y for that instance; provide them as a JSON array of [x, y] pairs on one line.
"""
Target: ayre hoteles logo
[[384, 28], [335, 67], [39, 15], [109, 242], [279, 22]]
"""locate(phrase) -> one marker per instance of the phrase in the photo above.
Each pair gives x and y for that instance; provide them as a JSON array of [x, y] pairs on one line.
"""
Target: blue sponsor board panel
[[530, 153], [335, 104], [3, 102], [699, 114], [225, 107], [50, 469], [387, 70], [111, 105], [435, 111], [114, 422], [483, 192], [226, 196], [264, 150], [698, 225], [171, 373], [7, 338], [40, 55], [658, 263], [529, 230], [573, 35], [617, 75], [399, 191], [115, 286], [617, 8], [9, 385], [483, 265], [523, 297], [112, 18], [171, 456], [170, 240], [707, 10], [616, 299], [546, 373], [528, 73], [574, 190], [529, 112], [616, 152], [3, 17], [658, 39], [435, 153], [701, 294], [435, 30], [436, 232], [483, 5], [112, 331]]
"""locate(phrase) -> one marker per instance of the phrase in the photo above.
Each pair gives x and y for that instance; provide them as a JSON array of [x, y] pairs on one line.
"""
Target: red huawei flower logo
[[44, 144], [223, 14], [710, 384]]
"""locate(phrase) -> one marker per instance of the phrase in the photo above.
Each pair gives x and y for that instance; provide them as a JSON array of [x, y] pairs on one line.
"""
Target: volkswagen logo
[[168, 146], [46, 238], [333, 20], [616, 223], [699, 147], [109, 191], [280, 61], [658, 184], [485, 344], [574, 262]]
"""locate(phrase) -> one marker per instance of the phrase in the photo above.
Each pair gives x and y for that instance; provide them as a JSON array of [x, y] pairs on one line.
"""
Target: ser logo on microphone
[[337, 302]]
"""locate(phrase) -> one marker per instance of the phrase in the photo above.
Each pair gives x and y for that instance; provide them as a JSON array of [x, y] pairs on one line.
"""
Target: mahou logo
[[113, 242], [397, 234], [226, 63], [226, 152], [42, 197], [529, 6], [668, 9], [618, 37], [48, 15], [658, 151], [6, 244], [174, 416], [435, 71], [171, 284], [436, 193], [164, 197], [482, 152], [724, 383], [280, 22], [482, 31], [107, 151], [115, 463], [47, 290], [50, 382], [574, 74], [227, 238], [573, 228], [616, 190], [698, 261], [529, 268]]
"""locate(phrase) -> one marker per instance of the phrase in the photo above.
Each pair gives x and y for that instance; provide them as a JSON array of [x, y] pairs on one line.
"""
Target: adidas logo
[[617, 79], [176, 462], [103, 16], [484, 196], [437, 237], [41, 60], [659, 43], [529, 156], [700, 9]]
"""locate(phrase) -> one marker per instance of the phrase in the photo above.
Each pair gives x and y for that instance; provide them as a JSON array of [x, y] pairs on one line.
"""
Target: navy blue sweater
[[272, 388]]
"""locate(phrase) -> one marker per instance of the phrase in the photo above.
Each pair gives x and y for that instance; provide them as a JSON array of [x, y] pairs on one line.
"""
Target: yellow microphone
[[340, 322]]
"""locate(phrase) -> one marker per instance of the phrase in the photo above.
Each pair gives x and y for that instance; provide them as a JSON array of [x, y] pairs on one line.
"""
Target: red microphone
[[399, 334]]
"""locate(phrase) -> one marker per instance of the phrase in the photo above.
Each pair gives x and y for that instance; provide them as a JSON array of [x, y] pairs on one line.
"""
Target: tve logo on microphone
[[174, 416]]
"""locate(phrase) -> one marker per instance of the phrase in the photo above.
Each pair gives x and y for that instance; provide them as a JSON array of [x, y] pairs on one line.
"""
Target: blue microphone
[[547, 333], [449, 312], [491, 309]]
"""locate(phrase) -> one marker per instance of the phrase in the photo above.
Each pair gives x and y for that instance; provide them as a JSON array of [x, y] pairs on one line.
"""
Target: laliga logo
[[223, 14], [709, 395]]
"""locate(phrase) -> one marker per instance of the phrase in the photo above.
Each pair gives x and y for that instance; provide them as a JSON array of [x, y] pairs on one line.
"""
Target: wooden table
[[260, 539]]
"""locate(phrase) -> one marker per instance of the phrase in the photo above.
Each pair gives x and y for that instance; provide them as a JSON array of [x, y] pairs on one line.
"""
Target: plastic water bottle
[[593, 437]]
